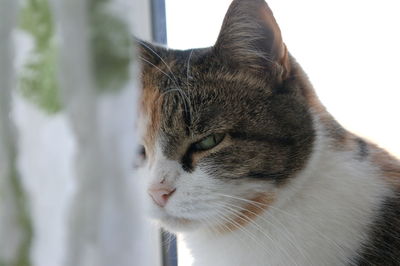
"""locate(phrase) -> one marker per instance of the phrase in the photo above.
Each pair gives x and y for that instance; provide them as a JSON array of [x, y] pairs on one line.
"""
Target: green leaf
[[38, 81], [111, 47]]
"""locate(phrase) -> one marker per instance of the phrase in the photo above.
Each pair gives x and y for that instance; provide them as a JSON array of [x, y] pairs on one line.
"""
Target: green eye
[[209, 142]]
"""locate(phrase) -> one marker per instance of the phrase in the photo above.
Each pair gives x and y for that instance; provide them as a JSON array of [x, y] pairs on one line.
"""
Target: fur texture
[[287, 185]]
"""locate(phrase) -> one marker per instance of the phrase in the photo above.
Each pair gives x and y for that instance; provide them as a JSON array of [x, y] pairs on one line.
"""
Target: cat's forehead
[[176, 107], [189, 94]]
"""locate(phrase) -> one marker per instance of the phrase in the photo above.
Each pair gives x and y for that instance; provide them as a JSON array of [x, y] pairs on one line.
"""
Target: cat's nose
[[161, 194]]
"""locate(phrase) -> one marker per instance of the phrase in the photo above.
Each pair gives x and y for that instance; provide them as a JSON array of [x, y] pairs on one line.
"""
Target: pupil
[[142, 152]]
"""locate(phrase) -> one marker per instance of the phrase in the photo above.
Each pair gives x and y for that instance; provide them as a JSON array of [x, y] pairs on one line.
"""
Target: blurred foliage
[[111, 45], [111, 48], [38, 81], [22, 218], [23, 255]]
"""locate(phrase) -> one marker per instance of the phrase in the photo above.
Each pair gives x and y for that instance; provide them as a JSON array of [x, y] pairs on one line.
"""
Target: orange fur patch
[[151, 102], [248, 213]]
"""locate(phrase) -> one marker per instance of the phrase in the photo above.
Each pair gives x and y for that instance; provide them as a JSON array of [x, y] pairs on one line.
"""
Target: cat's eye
[[140, 156], [142, 152], [208, 142]]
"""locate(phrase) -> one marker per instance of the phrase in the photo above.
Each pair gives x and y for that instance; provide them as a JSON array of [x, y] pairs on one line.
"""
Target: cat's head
[[224, 128]]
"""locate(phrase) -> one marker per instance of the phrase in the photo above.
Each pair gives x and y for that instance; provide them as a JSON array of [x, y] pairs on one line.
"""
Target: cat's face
[[223, 128]]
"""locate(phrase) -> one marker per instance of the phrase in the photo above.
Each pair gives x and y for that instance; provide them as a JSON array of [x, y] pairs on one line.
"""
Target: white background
[[350, 50]]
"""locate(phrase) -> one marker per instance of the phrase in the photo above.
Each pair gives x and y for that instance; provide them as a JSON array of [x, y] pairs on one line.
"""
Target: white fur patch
[[319, 217]]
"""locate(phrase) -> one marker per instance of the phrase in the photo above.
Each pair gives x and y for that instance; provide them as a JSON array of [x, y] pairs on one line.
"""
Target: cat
[[242, 159]]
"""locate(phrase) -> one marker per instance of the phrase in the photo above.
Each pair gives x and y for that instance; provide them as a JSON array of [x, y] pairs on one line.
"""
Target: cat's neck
[[321, 217]]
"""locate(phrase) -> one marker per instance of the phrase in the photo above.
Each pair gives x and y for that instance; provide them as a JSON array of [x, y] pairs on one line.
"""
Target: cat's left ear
[[250, 38]]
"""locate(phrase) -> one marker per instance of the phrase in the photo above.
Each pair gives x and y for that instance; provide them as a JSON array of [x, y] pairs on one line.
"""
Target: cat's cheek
[[182, 208], [140, 185], [154, 212]]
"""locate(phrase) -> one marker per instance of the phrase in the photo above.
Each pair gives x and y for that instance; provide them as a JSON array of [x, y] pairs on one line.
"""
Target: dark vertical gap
[[159, 35], [169, 249], [159, 21]]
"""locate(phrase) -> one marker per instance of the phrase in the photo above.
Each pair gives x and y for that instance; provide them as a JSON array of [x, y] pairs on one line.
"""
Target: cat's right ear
[[251, 39]]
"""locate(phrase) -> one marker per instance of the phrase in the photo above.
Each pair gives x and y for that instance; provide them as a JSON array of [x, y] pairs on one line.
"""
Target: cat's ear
[[250, 38]]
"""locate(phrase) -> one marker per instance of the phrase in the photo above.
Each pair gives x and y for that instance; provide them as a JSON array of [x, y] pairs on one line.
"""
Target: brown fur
[[383, 244], [388, 165], [248, 214], [241, 38], [150, 107], [269, 125]]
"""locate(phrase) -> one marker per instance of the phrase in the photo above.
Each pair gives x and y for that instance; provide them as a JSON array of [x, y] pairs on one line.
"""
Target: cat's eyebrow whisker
[[170, 90], [174, 79], [250, 221], [186, 100], [188, 67], [180, 91], [159, 69], [156, 54], [187, 77]]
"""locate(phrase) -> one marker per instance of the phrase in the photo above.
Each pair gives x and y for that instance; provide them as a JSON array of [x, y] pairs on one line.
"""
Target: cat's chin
[[175, 224], [171, 222], [178, 225]]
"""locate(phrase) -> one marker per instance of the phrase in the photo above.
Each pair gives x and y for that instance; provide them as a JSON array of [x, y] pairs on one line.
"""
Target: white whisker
[[159, 69], [248, 220], [162, 60], [180, 91], [229, 221], [259, 205], [188, 67]]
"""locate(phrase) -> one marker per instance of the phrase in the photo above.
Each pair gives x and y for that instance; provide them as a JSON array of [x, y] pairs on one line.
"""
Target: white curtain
[[74, 104], [15, 226]]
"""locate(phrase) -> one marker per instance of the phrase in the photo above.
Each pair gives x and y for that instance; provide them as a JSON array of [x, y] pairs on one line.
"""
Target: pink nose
[[161, 195]]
